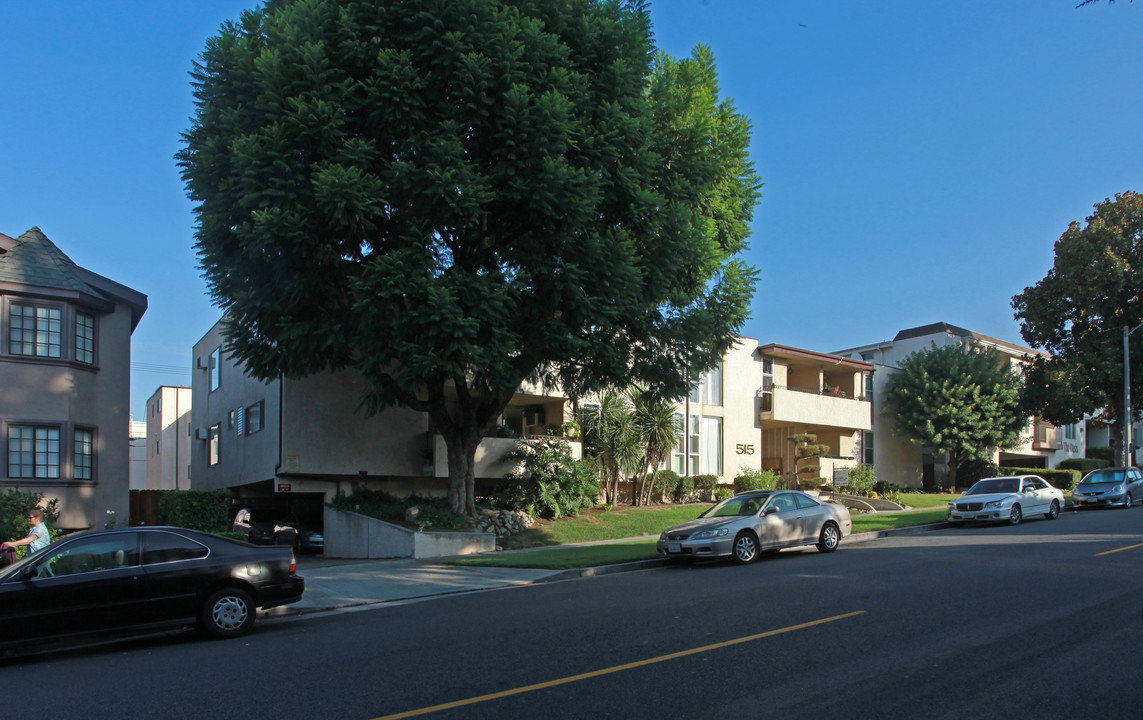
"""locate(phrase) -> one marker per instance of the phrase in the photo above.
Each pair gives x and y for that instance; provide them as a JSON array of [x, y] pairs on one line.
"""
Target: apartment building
[[903, 463], [65, 357], [169, 438], [137, 454]]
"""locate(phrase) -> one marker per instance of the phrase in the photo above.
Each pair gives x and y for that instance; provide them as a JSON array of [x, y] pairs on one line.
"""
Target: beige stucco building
[[65, 357], [903, 463]]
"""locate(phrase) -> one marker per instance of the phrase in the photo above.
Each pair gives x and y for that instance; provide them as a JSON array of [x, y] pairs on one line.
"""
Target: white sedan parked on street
[[1007, 499]]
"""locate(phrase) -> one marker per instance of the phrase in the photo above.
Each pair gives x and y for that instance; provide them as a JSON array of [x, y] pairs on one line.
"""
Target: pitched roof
[[33, 261]]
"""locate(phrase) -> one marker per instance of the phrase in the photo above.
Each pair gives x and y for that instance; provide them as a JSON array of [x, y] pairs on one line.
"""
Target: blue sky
[[920, 159]]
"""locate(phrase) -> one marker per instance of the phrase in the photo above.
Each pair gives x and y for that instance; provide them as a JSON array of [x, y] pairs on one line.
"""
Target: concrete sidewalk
[[338, 584]]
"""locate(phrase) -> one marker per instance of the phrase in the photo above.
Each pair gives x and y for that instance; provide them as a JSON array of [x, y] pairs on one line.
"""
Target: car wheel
[[1053, 511], [227, 613], [745, 548], [1016, 515], [1128, 501], [829, 538]]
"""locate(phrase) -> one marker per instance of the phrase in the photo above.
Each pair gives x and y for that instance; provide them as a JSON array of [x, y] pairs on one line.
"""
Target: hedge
[[1083, 465], [205, 510], [1062, 479]]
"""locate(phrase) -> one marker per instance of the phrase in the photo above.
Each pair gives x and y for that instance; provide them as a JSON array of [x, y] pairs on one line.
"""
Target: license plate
[[674, 547]]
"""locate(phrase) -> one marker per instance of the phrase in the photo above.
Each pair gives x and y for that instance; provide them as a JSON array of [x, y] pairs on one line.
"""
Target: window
[[712, 386], [1070, 432], [711, 446], [215, 451], [215, 369], [34, 330], [161, 547], [107, 552], [867, 447], [85, 338], [767, 384], [868, 356], [84, 454], [254, 417], [240, 421], [33, 452], [685, 458]]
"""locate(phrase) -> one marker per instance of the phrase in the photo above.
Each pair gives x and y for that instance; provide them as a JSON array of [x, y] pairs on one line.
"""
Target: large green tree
[[957, 399], [449, 196], [1079, 311]]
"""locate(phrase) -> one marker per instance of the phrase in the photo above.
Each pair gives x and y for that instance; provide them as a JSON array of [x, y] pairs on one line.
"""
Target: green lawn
[[927, 500], [635, 522], [605, 525]]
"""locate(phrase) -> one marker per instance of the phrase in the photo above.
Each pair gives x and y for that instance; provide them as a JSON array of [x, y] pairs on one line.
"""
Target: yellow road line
[[1129, 547], [615, 669]]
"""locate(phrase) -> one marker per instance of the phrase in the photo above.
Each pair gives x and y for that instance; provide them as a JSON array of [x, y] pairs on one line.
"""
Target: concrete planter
[[353, 535]]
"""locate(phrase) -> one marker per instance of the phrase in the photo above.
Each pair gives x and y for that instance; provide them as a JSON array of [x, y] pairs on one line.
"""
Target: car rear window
[[161, 547]]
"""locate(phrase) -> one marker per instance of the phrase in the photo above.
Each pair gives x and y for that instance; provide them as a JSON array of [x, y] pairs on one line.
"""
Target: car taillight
[[293, 564]]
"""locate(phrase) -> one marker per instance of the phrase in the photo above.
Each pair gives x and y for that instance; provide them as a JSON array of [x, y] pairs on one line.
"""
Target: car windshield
[[1104, 476], [995, 485], [737, 505]]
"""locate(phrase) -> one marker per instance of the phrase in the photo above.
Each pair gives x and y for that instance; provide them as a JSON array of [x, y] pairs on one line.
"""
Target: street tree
[[1079, 312], [957, 399], [449, 197]]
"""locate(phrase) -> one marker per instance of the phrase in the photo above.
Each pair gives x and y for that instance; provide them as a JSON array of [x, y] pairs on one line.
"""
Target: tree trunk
[[461, 476]]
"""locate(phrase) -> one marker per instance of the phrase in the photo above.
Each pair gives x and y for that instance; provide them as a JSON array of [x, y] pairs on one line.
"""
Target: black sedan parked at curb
[[104, 584]]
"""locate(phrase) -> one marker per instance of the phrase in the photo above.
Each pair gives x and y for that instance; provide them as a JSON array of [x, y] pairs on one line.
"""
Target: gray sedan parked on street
[[750, 523], [1109, 487]]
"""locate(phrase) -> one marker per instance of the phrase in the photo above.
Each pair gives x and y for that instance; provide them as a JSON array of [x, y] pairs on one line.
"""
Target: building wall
[[898, 460], [65, 394], [169, 439]]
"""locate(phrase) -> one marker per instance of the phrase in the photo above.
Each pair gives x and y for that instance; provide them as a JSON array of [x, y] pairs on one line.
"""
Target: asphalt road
[[1041, 620]]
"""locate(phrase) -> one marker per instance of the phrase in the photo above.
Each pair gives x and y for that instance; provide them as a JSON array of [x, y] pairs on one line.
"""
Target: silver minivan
[[1109, 487]]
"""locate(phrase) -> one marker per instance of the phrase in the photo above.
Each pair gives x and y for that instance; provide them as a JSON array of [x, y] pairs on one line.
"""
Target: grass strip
[[888, 521]]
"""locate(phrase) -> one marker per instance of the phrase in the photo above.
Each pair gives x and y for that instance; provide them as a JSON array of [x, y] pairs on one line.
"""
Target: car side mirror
[[27, 573], [770, 510]]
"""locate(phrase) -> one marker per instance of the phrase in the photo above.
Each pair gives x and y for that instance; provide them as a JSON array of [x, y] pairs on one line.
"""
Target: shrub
[[752, 479], [704, 486], [551, 483], [684, 489], [665, 483], [1084, 465], [434, 512], [1103, 452], [722, 492], [205, 510], [969, 472], [861, 479], [1063, 479]]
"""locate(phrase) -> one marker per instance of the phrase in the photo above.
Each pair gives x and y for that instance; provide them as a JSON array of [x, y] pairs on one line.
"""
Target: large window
[[33, 452], [85, 338], [35, 330], [84, 454], [699, 448], [712, 386], [711, 438]]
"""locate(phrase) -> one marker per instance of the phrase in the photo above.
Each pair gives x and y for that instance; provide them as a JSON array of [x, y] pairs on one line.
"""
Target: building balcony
[[490, 459], [785, 405]]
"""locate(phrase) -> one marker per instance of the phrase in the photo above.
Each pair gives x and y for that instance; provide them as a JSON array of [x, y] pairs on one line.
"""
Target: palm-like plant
[[658, 431], [610, 435]]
